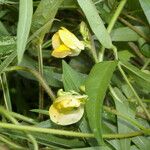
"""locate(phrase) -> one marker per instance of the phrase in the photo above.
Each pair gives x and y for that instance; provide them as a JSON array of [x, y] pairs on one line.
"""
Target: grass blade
[[95, 22], [23, 29], [145, 4]]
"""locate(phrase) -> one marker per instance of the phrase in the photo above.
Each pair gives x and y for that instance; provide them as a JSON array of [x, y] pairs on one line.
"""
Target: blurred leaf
[[7, 44], [123, 126], [96, 86], [95, 22], [125, 55], [94, 148], [145, 4], [141, 142], [40, 111], [50, 75], [126, 34], [44, 15], [3, 30], [7, 61], [142, 78], [72, 80], [23, 29]]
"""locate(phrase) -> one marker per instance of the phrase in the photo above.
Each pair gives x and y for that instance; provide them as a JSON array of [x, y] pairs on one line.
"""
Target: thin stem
[[111, 25], [41, 90], [134, 92], [36, 75], [136, 50], [67, 133], [135, 19], [146, 64], [113, 111], [93, 50], [24, 118], [10, 143], [5, 88], [13, 120], [139, 32]]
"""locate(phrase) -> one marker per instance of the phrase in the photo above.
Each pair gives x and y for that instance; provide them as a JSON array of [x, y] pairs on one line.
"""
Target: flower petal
[[56, 42], [66, 118], [61, 52], [69, 39]]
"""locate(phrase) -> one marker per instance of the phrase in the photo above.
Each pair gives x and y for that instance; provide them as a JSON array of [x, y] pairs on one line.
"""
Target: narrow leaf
[[145, 4], [72, 80], [95, 22], [44, 14], [96, 86], [25, 18]]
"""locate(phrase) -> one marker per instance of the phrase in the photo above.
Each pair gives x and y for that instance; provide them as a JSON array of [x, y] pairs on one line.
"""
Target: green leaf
[[23, 29], [44, 15], [7, 44], [142, 78], [126, 34], [96, 86], [72, 80], [122, 106], [95, 22], [52, 78], [141, 142], [145, 4], [7, 61]]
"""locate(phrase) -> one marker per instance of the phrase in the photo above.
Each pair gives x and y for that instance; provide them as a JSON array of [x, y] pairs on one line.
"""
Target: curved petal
[[56, 41], [69, 39], [66, 118], [61, 52]]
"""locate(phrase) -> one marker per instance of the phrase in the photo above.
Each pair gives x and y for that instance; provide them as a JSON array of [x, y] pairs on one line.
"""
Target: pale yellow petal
[[66, 103], [69, 39], [65, 118], [61, 52], [56, 41]]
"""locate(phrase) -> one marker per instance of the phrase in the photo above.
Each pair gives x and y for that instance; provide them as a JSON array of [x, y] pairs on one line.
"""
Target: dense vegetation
[[95, 53]]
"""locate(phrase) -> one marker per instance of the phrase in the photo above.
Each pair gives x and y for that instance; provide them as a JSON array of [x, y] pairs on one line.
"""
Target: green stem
[[10, 143], [111, 25], [113, 111], [136, 50], [23, 118], [6, 94], [13, 120], [67, 133], [146, 64], [36, 75], [139, 32], [134, 92], [41, 90]]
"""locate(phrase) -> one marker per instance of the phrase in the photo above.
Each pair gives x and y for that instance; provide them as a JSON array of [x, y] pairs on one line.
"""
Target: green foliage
[[117, 111], [96, 86], [24, 23]]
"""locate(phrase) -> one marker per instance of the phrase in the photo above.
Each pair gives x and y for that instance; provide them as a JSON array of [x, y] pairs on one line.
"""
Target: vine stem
[[10, 143], [134, 92], [13, 120], [146, 64], [36, 75], [139, 32], [68, 133], [41, 90], [110, 27], [5, 89], [135, 123]]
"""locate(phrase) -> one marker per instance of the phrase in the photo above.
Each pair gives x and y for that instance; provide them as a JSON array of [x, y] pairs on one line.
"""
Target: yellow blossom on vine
[[65, 44], [68, 108]]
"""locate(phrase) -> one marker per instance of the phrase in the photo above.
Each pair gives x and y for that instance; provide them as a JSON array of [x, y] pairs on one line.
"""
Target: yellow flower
[[65, 44], [67, 108]]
